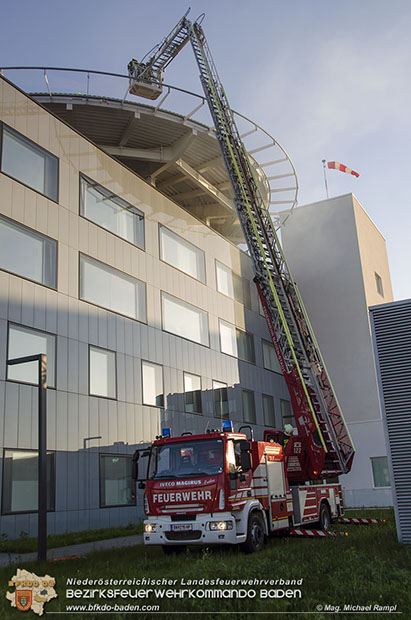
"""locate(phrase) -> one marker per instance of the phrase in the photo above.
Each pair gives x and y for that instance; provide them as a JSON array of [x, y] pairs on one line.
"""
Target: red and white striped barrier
[[316, 533], [360, 521]]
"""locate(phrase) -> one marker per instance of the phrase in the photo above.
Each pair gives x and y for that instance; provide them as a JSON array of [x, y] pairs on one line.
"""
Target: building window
[[248, 406], [220, 393], [24, 341], [380, 471], [28, 163], [153, 391], [181, 254], [20, 481], [184, 320], [107, 210], [102, 372], [378, 282], [27, 253], [232, 285], [269, 412], [112, 289], [236, 342], [270, 360], [287, 416], [116, 484], [192, 393]]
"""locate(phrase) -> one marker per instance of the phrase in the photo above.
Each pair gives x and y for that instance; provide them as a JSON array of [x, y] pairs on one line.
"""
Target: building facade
[[148, 318], [338, 258]]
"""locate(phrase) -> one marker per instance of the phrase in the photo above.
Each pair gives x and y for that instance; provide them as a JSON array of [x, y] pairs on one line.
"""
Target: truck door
[[277, 500], [240, 481]]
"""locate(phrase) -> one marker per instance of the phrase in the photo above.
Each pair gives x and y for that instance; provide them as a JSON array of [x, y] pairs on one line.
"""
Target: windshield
[[187, 459]]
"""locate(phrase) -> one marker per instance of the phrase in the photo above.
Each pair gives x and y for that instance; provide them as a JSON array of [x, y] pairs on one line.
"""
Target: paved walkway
[[7, 559]]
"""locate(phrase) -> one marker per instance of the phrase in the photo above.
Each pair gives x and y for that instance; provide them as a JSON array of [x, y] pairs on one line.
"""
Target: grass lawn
[[369, 567]]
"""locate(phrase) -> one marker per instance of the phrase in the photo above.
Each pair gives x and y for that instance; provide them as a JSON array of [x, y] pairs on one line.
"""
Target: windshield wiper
[[168, 476]]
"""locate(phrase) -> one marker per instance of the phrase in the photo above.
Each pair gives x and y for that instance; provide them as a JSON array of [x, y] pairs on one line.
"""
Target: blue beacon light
[[166, 432], [227, 426]]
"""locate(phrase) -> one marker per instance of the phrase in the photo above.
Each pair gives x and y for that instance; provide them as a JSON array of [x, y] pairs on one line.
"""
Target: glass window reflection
[[112, 289], [181, 254], [184, 320], [109, 211], [192, 393], [153, 392], [20, 481], [116, 484], [27, 253], [24, 341], [268, 408], [27, 162], [220, 392], [236, 342], [248, 407], [102, 368]]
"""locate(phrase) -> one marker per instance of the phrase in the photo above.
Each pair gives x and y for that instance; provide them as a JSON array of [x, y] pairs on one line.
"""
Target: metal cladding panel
[[391, 327]]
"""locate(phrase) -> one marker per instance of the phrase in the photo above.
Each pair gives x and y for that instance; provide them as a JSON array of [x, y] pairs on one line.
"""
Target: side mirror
[[245, 456]]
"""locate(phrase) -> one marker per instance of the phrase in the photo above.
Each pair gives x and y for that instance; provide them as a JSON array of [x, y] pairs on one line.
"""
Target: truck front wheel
[[255, 534], [325, 517]]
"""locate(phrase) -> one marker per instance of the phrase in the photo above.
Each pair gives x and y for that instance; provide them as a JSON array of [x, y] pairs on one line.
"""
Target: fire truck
[[224, 486]]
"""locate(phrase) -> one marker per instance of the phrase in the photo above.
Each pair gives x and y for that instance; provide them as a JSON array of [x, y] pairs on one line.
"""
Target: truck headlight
[[221, 525], [150, 528]]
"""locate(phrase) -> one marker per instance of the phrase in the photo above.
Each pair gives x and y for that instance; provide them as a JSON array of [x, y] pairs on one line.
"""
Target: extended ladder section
[[320, 423]]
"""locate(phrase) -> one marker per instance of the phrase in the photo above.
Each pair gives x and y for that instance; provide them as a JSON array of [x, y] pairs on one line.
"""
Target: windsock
[[337, 166]]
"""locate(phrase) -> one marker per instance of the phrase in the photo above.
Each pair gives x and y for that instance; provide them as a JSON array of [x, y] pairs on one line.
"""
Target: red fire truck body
[[220, 487]]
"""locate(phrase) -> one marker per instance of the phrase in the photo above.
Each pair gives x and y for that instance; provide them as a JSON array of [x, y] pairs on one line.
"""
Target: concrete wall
[[333, 250]]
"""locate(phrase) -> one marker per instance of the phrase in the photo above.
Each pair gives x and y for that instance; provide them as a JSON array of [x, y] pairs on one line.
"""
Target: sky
[[329, 80]]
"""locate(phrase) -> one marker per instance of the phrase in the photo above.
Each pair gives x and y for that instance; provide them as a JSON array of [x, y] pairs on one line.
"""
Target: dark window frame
[[41, 331], [142, 384], [115, 398], [270, 396], [36, 147], [114, 197], [254, 407], [244, 282], [160, 226], [191, 374], [110, 268], [185, 303], [243, 331], [218, 417], [52, 481], [100, 485], [34, 233]]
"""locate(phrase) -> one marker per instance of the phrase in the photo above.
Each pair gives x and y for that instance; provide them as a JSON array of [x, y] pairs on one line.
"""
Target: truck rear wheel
[[255, 534], [170, 549], [325, 517]]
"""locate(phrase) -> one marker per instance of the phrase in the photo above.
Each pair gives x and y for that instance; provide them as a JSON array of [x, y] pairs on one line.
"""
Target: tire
[[173, 549], [325, 517], [255, 534]]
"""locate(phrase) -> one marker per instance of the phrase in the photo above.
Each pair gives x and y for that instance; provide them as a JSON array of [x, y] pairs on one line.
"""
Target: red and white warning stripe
[[337, 166], [360, 521], [316, 533]]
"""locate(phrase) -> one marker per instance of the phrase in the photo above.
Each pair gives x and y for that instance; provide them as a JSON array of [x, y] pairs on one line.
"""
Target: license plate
[[181, 527]]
